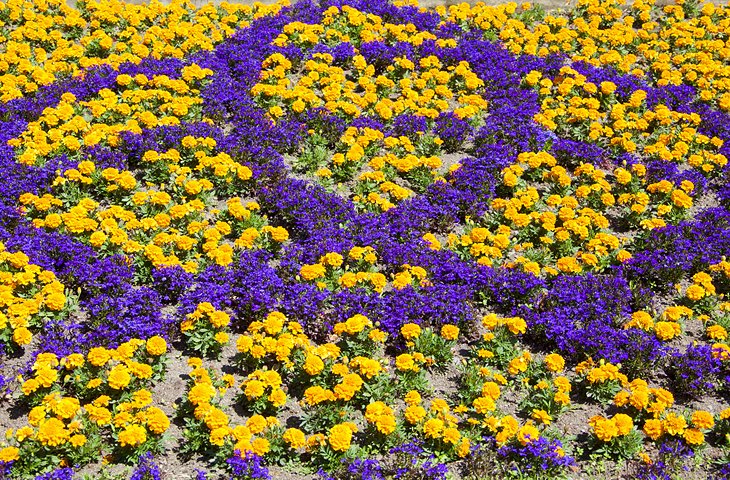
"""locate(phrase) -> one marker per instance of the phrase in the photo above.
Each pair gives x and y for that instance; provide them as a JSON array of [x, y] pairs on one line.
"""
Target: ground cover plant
[[355, 239]]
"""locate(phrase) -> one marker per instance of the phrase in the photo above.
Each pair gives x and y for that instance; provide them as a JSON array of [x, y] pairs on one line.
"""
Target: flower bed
[[357, 239]]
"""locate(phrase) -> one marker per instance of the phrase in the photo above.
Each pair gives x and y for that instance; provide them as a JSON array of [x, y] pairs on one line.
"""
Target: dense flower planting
[[355, 239]]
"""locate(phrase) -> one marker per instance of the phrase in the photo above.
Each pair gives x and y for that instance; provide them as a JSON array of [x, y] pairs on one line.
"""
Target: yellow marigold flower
[[410, 331], [693, 436], [132, 435], [624, 423], [340, 437], [667, 330], [253, 389], [516, 325], [52, 433], [703, 420], [414, 414], [608, 88], [695, 292], [316, 395], [9, 454], [377, 336], [156, 346], [46, 376], [623, 256], [100, 415], [256, 424], [222, 338], [681, 199], [157, 421], [216, 418], [527, 434], [413, 398], [340, 369], [24, 432], [368, 366], [29, 386], [542, 416], [119, 377], [244, 344], [312, 272], [639, 399], [219, 319], [313, 365], [357, 324], [218, 436], [22, 336], [201, 393], [433, 428], [490, 322], [451, 435], [78, 440], [75, 360], [260, 446], [554, 362], [517, 365], [67, 407], [277, 398], [484, 405], [295, 438], [279, 234], [98, 356], [405, 362], [653, 428], [674, 424], [432, 241], [491, 390], [274, 323], [716, 332], [450, 332], [332, 259], [604, 429]]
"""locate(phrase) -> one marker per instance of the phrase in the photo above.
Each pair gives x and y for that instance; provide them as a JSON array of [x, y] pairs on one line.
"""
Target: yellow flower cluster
[[381, 416], [206, 312], [27, 292], [515, 325], [359, 269], [273, 341], [101, 370], [606, 429], [562, 230], [437, 424], [264, 384], [204, 396], [628, 38], [47, 40], [641, 397], [700, 288], [507, 429], [382, 161], [674, 425], [79, 399], [602, 373], [140, 102], [163, 225], [340, 436], [572, 105], [330, 378], [425, 89]]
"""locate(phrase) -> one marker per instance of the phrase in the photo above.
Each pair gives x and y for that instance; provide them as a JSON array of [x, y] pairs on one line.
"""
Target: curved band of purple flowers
[[356, 239]]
